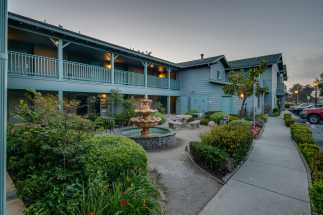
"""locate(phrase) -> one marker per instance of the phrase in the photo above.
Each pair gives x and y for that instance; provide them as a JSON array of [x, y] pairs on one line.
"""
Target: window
[[218, 75], [258, 101]]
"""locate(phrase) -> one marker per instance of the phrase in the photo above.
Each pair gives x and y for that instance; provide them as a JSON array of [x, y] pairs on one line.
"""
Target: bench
[[195, 123], [175, 124]]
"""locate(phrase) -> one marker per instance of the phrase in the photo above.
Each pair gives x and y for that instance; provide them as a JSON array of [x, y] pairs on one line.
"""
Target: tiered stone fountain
[[146, 133], [145, 120]]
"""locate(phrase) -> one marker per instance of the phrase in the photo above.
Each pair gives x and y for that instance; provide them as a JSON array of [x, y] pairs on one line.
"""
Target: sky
[[180, 30]]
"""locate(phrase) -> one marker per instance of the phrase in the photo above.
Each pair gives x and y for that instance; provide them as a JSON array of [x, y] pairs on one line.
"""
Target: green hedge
[[217, 117], [52, 157], [301, 134], [241, 122], [262, 117], [233, 118], [289, 120], [209, 157], [233, 139], [113, 157], [316, 194]]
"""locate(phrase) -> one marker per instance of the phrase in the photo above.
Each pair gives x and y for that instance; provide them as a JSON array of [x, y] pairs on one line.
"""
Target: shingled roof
[[202, 62], [252, 62]]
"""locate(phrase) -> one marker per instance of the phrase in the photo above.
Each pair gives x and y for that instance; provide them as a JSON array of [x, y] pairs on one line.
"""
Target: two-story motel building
[[50, 58]]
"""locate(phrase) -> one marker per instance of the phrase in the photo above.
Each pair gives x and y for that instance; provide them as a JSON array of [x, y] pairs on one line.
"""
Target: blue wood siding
[[196, 83]]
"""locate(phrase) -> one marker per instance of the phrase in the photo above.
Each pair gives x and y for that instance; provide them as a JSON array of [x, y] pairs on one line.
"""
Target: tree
[[321, 84], [241, 84], [303, 92]]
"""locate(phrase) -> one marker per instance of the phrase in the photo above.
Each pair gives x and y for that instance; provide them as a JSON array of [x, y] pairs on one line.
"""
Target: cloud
[[305, 70]]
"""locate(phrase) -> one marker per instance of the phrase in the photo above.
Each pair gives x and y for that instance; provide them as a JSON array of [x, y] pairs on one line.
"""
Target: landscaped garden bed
[[59, 165], [223, 148], [312, 154]]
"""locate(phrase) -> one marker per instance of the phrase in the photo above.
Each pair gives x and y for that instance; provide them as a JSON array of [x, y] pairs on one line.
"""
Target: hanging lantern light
[[161, 75]]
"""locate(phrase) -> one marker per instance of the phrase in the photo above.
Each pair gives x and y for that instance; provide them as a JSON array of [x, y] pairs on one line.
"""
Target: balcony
[[34, 66]]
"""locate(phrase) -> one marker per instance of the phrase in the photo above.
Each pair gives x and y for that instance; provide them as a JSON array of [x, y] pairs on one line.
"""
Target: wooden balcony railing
[[85, 72], [23, 64], [32, 65]]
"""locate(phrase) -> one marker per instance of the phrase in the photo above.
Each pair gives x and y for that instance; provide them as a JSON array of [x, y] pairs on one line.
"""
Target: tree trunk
[[242, 111]]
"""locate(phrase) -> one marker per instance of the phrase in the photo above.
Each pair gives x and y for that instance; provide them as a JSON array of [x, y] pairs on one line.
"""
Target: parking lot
[[317, 130]]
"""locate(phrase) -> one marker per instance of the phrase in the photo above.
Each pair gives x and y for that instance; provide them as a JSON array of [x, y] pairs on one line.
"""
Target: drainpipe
[[169, 80], [3, 101], [146, 73]]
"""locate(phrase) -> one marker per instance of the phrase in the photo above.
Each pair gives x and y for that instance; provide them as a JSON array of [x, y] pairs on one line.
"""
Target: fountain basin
[[158, 138]]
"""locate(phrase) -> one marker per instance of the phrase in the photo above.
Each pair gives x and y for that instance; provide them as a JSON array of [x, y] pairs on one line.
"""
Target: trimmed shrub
[[316, 194], [204, 121], [113, 157], [217, 117], [262, 117], [310, 152], [234, 139], [301, 134], [233, 118], [161, 116], [52, 155], [210, 157], [276, 112], [289, 120], [241, 122]]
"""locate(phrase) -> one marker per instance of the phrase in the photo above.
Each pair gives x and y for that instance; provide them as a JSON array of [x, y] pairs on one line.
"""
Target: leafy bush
[[262, 117], [217, 117], [241, 122], [104, 123], [210, 157], [113, 157], [289, 120], [233, 139], [134, 195], [52, 154], [161, 116], [233, 118], [310, 152], [316, 194], [301, 134], [276, 112], [204, 121]]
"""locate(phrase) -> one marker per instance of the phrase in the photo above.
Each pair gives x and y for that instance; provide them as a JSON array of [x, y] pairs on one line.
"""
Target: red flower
[[124, 202], [90, 213]]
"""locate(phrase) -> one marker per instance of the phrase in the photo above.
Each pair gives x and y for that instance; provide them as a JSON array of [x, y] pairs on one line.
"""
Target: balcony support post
[[60, 100], [3, 101], [60, 56], [168, 75], [113, 59], [146, 73], [168, 104]]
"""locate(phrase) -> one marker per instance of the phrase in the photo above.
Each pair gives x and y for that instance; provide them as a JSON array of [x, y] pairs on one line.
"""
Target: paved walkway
[[187, 188], [14, 205], [273, 181]]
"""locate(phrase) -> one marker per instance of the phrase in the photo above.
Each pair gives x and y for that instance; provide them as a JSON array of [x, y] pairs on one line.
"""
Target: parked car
[[299, 108], [313, 115]]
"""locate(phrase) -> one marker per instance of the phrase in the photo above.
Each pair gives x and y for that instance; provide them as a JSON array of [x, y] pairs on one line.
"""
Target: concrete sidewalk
[[273, 181]]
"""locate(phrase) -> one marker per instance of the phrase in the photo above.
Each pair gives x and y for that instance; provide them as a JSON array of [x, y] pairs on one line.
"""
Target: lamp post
[[296, 93]]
